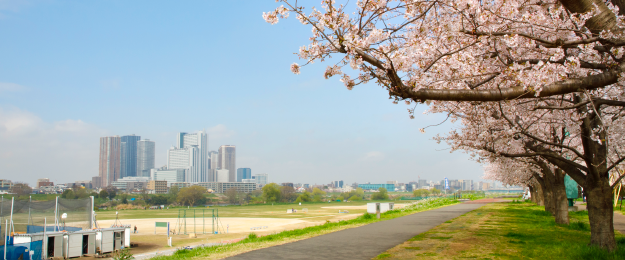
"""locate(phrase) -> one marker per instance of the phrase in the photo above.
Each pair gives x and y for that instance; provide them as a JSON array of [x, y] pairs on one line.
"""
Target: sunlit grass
[[515, 230]]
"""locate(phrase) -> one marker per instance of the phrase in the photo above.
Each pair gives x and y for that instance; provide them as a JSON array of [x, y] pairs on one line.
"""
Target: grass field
[[254, 241], [506, 231], [319, 209]]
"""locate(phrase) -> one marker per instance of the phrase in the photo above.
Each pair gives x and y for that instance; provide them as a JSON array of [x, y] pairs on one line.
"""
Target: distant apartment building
[[227, 161], [171, 176], [157, 187], [145, 157], [244, 173], [338, 184], [128, 155], [287, 184], [109, 169], [220, 187], [423, 183], [130, 183], [391, 182], [5, 185], [388, 187], [44, 182]]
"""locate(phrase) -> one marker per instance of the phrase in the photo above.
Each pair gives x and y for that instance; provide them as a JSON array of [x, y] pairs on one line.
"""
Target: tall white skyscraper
[[145, 157], [191, 153], [228, 161], [213, 162]]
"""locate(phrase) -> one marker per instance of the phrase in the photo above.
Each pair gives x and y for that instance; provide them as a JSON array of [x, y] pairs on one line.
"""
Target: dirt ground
[[228, 228]]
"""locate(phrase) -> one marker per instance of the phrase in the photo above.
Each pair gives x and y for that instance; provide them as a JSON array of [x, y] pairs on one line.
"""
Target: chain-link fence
[[30, 216]]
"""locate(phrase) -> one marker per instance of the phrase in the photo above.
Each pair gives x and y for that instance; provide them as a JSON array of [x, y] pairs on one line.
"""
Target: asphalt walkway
[[363, 242]]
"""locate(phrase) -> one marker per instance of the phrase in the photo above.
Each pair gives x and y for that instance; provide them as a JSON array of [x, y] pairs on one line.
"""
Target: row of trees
[[537, 87]]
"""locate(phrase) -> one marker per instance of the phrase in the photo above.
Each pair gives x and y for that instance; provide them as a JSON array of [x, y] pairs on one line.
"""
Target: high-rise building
[[261, 178], [145, 157], [244, 173], [110, 160], [338, 184], [187, 159], [227, 161], [222, 175], [194, 149], [213, 162], [129, 155]]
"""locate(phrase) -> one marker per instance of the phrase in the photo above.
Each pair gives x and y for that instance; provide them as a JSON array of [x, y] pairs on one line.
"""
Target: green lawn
[[506, 231]]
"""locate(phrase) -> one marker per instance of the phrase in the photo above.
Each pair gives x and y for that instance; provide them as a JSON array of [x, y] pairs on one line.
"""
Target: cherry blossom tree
[[552, 71], [466, 50], [580, 136]]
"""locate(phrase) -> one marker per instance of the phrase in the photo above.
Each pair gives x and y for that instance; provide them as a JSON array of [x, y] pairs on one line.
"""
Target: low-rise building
[[157, 187], [388, 187], [129, 184], [171, 176], [6, 185], [219, 187]]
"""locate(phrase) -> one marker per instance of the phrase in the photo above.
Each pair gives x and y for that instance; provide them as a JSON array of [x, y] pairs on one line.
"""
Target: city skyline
[[55, 105]]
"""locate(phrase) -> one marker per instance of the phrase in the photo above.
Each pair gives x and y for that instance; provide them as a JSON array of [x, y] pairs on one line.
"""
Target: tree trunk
[[539, 191], [550, 205], [561, 206], [532, 193], [600, 214]]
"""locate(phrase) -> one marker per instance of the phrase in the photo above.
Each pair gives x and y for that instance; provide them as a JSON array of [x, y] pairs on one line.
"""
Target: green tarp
[[571, 188]]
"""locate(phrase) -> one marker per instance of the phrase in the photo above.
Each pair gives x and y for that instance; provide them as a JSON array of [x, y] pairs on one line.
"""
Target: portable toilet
[[104, 239], [80, 243]]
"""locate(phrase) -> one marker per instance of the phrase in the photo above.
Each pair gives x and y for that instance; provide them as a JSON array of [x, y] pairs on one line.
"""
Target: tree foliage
[[318, 195], [21, 189], [271, 192], [304, 197], [382, 194], [287, 194], [191, 195], [421, 193]]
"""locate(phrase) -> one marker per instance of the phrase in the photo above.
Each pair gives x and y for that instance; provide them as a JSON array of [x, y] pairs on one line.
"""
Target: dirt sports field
[[234, 222]]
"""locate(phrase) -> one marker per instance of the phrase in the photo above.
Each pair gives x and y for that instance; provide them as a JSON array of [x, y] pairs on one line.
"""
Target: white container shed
[[53, 244], [104, 239], [80, 243], [383, 206]]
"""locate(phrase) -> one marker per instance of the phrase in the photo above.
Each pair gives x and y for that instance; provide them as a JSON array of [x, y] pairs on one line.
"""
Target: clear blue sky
[[72, 71]]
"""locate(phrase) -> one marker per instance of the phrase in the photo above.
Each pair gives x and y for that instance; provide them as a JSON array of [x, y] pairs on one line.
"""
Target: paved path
[[363, 242]]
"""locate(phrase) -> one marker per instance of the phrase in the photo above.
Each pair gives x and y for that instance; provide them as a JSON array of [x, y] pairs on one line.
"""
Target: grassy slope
[[506, 231], [252, 242]]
